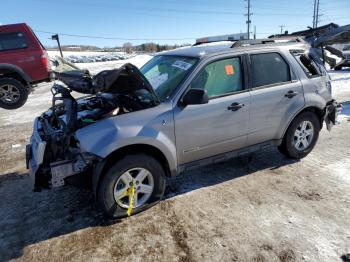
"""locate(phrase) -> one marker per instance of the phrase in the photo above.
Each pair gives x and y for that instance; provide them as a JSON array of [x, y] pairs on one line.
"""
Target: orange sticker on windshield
[[229, 70]]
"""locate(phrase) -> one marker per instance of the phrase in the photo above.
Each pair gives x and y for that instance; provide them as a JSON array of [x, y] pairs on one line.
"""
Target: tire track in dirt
[[177, 231]]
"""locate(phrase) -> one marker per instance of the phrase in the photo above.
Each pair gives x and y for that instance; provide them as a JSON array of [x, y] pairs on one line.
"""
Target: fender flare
[[309, 107], [101, 163], [17, 70]]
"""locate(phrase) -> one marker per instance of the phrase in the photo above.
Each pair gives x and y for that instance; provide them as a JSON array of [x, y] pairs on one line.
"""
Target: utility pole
[[314, 16], [248, 14], [281, 26], [255, 32], [317, 10], [316, 13]]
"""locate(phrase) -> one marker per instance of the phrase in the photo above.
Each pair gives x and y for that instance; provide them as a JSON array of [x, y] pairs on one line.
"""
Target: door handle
[[235, 106], [291, 94]]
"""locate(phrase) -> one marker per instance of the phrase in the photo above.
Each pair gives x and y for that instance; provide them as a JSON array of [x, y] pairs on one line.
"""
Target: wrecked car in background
[[183, 109]]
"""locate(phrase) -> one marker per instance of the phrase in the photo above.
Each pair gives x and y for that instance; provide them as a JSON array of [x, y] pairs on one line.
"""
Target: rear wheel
[[13, 94], [135, 182], [301, 136]]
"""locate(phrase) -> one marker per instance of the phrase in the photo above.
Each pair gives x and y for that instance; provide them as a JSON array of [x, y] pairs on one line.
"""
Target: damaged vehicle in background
[[183, 109]]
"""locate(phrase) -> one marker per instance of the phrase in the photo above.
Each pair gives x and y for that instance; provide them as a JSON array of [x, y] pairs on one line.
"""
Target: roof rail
[[253, 42], [266, 41], [213, 41]]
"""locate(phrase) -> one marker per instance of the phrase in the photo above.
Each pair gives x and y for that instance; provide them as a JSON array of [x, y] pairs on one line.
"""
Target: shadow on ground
[[27, 218]]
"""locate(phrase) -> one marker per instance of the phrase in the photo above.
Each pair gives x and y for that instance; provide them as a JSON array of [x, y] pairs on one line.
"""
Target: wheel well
[[12, 74], [131, 150], [319, 113]]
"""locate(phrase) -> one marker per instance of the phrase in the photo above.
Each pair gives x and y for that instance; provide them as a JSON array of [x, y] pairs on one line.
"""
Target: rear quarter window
[[311, 65], [12, 41]]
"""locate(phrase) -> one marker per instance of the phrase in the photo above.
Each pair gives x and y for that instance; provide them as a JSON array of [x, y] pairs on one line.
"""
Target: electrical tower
[[281, 26], [248, 14]]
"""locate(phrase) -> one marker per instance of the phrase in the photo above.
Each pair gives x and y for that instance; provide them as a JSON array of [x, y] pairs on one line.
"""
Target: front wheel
[[301, 136], [134, 183], [13, 94]]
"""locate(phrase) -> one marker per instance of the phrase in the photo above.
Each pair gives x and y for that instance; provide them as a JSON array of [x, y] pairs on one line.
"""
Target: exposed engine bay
[[108, 94]]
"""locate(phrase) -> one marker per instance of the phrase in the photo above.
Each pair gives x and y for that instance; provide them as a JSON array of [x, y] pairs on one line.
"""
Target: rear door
[[221, 125], [276, 96]]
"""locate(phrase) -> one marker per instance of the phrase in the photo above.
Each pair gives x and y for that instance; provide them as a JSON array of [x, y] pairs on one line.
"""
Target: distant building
[[309, 32], [230, 37]]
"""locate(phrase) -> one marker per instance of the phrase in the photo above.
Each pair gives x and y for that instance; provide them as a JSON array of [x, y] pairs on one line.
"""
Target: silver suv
[[183, 109]]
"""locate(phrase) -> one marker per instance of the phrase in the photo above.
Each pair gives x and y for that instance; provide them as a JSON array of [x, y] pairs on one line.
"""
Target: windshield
[[166, 72]]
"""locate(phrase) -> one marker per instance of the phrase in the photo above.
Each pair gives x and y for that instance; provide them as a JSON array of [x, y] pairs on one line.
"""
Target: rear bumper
[[332, 111]]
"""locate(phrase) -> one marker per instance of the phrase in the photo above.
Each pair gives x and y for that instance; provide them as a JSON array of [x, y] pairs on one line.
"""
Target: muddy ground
[[267, 208]]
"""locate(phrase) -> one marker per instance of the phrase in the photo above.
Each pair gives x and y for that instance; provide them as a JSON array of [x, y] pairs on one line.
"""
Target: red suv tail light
[[45, 61]]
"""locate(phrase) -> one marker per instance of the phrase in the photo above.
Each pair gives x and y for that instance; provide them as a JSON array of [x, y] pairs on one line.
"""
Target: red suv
[[23, 62]]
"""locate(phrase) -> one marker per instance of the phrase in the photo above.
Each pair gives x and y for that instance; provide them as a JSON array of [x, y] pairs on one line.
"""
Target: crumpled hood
[[128, 77]]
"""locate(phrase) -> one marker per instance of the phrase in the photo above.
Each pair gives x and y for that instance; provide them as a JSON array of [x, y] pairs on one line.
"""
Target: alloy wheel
[[143, 183], [9, 94], [303, 135]]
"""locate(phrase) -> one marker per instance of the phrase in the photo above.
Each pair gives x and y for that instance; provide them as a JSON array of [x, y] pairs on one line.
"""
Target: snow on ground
[[96, 67], [90, 56], [340, 84]]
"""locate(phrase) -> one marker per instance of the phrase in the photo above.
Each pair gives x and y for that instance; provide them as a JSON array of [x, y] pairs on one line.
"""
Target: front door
[[221, 125]]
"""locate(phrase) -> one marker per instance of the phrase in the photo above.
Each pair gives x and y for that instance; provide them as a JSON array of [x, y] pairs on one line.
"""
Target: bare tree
[[127, 47]]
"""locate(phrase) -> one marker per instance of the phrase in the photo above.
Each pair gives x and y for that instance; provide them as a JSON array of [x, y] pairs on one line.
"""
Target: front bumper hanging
[[45, 172]]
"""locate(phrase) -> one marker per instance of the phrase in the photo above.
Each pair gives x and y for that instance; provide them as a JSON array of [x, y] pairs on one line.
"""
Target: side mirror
[[195, 96]]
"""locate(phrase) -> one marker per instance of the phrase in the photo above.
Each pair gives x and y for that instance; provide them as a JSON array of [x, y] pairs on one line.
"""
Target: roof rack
[[213, 41], [264, 41], [252, 42], [246, 42]]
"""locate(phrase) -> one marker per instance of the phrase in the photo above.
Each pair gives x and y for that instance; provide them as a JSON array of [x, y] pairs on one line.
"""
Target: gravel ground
[[260, 208]]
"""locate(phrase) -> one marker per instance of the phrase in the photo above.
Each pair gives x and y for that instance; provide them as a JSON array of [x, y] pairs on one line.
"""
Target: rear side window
[[268, 69], [311, 66], [10, 41], [220, 77]]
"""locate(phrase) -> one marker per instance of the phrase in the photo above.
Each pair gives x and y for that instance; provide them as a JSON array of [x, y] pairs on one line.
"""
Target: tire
[[113, 182], [294, 142], [19, 93]]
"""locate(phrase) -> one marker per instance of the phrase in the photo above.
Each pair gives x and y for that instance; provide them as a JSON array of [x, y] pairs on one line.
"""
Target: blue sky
[[163, 21]]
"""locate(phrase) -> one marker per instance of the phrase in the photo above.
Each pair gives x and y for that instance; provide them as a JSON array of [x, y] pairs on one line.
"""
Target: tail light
[[45, 61]]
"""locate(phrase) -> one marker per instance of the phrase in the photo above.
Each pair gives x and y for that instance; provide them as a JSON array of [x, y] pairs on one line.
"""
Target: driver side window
[[220, 77]]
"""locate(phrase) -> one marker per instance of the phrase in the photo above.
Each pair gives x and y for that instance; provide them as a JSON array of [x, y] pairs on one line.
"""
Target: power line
[[114, 38]]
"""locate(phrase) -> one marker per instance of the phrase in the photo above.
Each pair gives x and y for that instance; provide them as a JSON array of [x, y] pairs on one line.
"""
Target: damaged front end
[[54, 153]]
